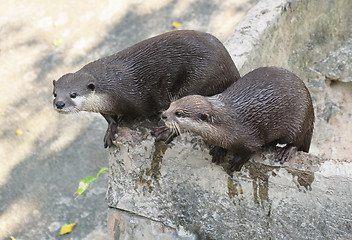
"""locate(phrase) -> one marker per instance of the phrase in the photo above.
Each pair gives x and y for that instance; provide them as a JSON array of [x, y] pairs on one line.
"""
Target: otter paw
[[285, 153], [237, 162], [163, 133], [235, 165], [218, 154], [110, 135]]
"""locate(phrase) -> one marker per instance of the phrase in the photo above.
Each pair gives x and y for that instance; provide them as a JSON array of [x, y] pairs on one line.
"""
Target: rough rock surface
[[338, 64], [178, 186], [176, 189]]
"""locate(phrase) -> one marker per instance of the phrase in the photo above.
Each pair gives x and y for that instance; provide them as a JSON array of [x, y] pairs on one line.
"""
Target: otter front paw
[[237, 162], [285, 153], [218, 154], [110, 135], [163, 133]]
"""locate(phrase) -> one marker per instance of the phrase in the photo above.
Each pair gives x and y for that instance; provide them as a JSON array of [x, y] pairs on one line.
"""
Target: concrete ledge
[[178, 188], [155, 188]]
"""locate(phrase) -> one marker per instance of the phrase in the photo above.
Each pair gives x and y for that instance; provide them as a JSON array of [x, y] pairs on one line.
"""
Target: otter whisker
[[169, 125], [175, 97], [172, 98], [174, 130], [75, 110], [178, 129], [169, 96]]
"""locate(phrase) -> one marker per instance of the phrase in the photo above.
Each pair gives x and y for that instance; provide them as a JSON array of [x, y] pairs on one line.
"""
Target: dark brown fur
[[143, 79], [267, 106]]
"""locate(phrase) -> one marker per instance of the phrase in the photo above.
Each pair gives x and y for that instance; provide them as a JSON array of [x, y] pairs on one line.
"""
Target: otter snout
[[60, 105], [167, 118]]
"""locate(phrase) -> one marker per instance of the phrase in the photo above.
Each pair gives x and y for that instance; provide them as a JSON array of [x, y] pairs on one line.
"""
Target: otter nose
[[60, 105], [163, 116]]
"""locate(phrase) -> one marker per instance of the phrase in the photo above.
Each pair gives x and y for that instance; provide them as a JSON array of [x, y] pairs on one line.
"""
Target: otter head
[[75, 92], [193, 113]]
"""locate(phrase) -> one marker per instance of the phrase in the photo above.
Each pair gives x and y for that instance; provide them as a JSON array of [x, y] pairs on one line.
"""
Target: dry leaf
[[67, 228], [177, 25], [19, 132]]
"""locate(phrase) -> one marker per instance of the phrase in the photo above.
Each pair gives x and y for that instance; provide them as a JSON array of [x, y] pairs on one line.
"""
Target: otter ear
[[91, 86], [54, 82]]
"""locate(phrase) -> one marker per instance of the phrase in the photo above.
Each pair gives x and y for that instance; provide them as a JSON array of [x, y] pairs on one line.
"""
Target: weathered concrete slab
[[309, 197], [179, 187]]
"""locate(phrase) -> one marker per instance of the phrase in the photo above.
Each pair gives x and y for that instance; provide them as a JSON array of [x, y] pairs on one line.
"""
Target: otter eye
[[179, 114], [54, 94], [204, 117], [73, 95], [91, 86]]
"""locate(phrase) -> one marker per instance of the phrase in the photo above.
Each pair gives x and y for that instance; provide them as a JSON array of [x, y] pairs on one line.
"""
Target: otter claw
[[235, 167], [171, 137], [107, 143], [237, 162], [163, 133], [110, 135], [158, 132], [285, 153], [218, 154]]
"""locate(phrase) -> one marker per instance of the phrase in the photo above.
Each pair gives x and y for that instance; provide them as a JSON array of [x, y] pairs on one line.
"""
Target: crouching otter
[[141, 80], [269, 105]]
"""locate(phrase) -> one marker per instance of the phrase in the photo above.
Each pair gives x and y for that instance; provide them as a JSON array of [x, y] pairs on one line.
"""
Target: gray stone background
[[40, 41]]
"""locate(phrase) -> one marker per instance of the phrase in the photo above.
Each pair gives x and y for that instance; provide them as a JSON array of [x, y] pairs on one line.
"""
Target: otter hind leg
[[285, 153], [218, 154], [163, 133], [237, 162], [306, 141]]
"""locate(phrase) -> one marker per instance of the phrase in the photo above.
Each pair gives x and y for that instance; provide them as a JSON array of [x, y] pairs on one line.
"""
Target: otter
[[141, 80], [267, 106]]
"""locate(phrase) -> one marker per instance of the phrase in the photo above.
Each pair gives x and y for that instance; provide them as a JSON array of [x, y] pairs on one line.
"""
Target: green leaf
[[80, 191], [83, 185], [85, 182], [102, 170], [88, 180]]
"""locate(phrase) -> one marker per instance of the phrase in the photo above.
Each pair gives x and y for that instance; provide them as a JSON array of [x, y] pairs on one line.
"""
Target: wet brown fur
[[142, 79], [267, 106]]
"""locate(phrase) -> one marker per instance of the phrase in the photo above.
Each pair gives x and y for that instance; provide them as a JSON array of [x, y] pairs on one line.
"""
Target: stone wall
[[174, 191]]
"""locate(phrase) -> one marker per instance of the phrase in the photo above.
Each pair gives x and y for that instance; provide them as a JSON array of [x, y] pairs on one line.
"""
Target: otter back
[[267, 106], [142, 79], [271, 104]]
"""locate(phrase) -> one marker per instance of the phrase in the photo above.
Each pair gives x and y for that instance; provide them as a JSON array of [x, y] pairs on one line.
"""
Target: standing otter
[[142, 79], [267, 106]]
